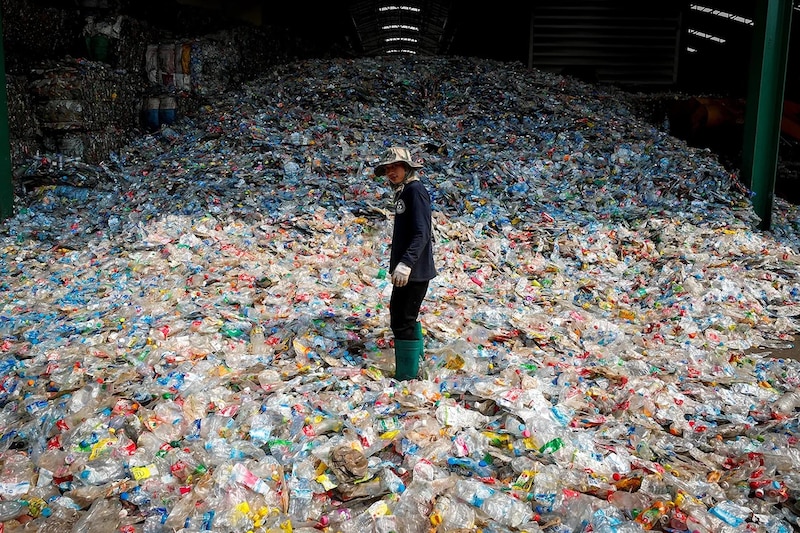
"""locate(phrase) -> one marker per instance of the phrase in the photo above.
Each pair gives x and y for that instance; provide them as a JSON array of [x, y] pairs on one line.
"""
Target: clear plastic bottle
[[787, 403], [391, 482], [552, 446], [608, 520], [102, 471], [731, 513], [332, 519], [507, 510], [301, 491], [472, 466], [322, 426], [772, 524], [499, 506], [137, 496], [413, 506], [451, 514], [258, 344], [472, 491], [514, 426], [360, 523], [153, 524], [16, 477], [629, 501], [576, 509], [186, 464], [11, 509], [546, 487], [454, 415], [56, 517], [102, 516], [651, 517], [186, 506], [221, 451]]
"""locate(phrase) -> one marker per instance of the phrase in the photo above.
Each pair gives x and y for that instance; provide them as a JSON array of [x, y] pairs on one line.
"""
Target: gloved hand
[[400, 275]]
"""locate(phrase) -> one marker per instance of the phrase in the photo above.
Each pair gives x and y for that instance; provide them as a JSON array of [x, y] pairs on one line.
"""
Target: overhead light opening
[[722, 14], [708, 36], [400, 27], [409, 9], [401, 51], [401, 39]]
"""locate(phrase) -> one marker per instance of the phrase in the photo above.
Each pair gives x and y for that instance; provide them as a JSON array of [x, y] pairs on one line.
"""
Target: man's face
[[396, 172]]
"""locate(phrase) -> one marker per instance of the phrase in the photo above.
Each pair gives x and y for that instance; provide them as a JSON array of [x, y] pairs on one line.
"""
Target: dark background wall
[[500, 31], [639, 46]]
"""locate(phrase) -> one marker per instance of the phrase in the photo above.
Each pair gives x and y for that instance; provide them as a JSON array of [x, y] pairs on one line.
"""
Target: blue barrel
[[152, 107], [167, 110]]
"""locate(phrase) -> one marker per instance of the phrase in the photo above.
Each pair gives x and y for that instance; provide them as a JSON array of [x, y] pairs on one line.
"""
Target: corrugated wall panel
[[625, 44]]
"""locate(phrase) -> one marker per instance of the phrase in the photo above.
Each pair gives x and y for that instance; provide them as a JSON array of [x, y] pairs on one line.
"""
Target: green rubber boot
[[422, 341], [406, 358]]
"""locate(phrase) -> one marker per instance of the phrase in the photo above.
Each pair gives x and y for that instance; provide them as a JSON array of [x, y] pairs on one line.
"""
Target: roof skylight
[[722, 14], [705, 35], [400, 27], [410, 9]]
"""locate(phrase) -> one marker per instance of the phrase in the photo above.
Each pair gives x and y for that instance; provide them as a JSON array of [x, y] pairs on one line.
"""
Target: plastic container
[[150, 113], [167, 110]]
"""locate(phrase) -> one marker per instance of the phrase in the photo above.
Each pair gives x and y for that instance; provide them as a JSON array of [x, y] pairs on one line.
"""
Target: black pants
[[404, 309]]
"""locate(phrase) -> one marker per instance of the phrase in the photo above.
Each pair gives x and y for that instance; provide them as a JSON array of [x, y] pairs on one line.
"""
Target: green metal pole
[[6, 187], [765, 103]]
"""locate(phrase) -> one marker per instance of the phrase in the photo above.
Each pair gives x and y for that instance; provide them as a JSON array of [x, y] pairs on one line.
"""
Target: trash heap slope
[[195, 333]]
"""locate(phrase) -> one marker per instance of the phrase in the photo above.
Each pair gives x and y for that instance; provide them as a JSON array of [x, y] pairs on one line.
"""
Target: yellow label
[[454, 362], [144, 472], [380, 508], [525, 480], [326, 482], [100, 446], [300, 348], [497, 439], [374, 373], [389, 435]]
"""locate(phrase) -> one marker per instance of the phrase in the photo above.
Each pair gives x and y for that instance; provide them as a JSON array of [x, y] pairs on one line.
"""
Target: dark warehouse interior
[[693, 61]]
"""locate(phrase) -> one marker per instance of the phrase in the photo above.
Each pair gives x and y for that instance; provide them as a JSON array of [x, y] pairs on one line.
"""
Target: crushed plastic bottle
[[199, 342]]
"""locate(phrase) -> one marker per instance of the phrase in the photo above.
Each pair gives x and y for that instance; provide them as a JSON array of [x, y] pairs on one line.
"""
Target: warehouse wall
[[632, 44]]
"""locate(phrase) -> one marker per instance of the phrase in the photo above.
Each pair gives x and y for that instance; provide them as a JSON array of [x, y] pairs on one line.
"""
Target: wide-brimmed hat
[[395, 154]]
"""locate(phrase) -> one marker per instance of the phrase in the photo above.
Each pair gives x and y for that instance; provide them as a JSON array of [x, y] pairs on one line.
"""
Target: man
[[411, 261]]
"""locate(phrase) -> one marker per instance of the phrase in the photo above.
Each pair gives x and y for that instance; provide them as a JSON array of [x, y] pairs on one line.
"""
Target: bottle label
[[726, 516], [144, 472]]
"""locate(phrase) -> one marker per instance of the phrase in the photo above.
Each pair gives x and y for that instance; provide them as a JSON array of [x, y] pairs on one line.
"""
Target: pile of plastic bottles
[[199, 341]]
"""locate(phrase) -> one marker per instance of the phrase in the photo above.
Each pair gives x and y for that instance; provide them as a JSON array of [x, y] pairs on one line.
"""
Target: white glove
[[400, 275]]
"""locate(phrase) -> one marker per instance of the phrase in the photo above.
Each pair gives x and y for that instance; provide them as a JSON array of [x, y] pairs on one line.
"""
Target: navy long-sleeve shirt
[[412, 236]]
